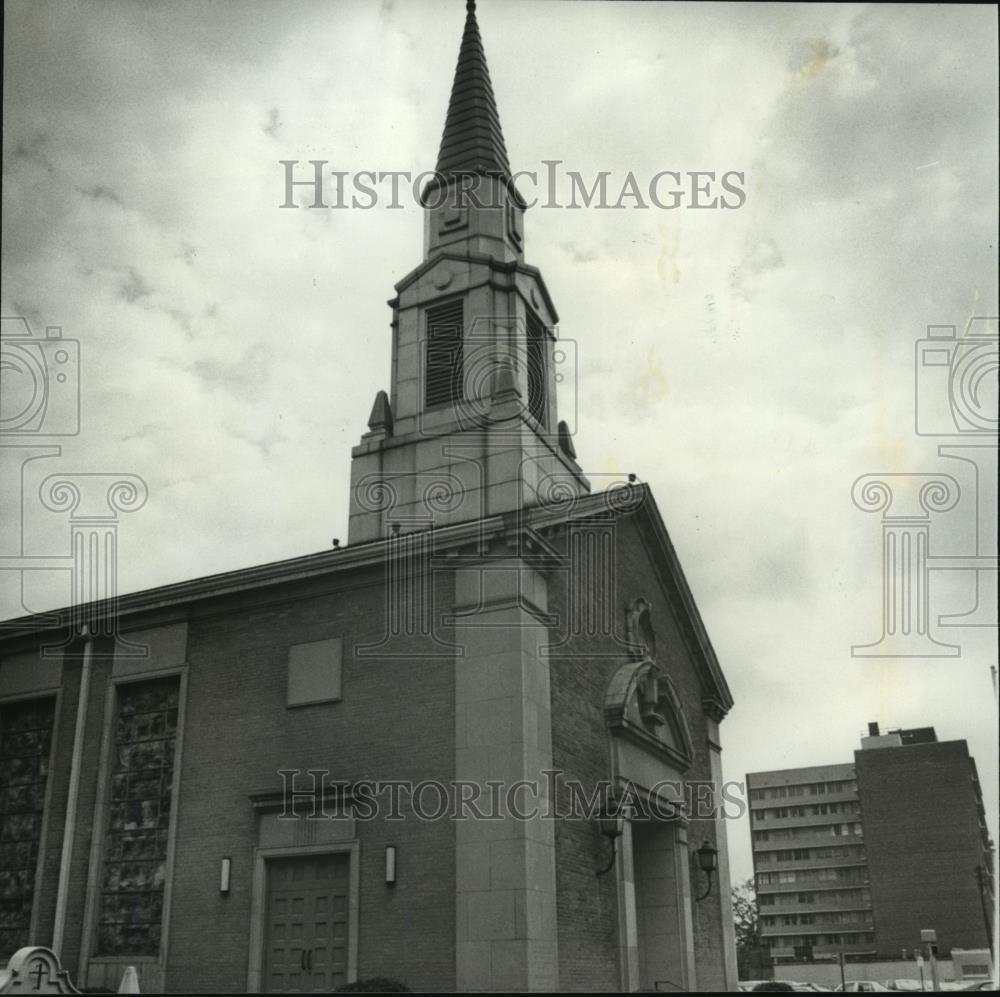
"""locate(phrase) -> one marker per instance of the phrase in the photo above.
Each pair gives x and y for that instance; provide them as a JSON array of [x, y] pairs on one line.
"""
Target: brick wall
[[923, 843], [394, 722], [587, 905]]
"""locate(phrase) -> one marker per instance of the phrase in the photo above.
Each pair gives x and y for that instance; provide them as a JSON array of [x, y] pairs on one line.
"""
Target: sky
[[750, 364]]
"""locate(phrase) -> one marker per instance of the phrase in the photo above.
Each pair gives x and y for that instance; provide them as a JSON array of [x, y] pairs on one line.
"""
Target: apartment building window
[[135, 854], [25, 745]]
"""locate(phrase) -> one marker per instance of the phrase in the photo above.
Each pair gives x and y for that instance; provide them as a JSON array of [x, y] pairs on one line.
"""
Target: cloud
[[273, 122], [749, 364]]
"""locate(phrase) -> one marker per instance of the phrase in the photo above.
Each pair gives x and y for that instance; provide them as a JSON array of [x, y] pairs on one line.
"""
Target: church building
[[474, 748]]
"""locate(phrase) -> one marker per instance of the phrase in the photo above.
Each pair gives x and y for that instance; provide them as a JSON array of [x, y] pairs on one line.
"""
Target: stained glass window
[[25, 742], [135, 856]]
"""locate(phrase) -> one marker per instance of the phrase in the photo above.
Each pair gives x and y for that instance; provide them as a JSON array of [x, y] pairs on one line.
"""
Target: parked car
[[804, 988], [862, 987]]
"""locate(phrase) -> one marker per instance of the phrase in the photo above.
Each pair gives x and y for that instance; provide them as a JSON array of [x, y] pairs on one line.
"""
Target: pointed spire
[[472, 141]]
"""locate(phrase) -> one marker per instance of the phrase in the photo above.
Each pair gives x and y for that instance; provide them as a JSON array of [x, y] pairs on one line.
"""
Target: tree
[[751, 957]]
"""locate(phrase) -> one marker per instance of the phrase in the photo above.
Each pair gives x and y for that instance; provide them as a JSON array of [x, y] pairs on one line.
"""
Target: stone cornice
[[496, 266], [523, 533]]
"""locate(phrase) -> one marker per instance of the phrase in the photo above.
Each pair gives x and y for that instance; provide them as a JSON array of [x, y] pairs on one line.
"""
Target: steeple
[[469, 428], [473, 140], [472, 203]]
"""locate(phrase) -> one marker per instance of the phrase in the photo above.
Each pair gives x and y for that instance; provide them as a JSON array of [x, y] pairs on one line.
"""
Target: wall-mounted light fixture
[[224, 871], [390, 865], [708, 862], [611, 824]]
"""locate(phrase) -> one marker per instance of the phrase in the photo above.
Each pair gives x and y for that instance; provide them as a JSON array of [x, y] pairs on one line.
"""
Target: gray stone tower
[[469, 428]]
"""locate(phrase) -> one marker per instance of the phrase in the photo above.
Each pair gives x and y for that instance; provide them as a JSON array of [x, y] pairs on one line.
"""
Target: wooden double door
[[306, 941]]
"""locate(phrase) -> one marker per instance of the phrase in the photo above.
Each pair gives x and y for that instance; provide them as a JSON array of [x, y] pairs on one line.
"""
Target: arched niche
[[642, 706]]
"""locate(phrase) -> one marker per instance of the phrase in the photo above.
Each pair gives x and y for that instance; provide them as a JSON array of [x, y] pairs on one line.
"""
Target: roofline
[[345, 559], [802, 770], [719, 693], [338, 560]]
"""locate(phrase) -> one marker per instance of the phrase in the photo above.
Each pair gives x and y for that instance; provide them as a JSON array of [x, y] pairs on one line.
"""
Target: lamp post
[[984, 879], [708, 862], [929, 937]]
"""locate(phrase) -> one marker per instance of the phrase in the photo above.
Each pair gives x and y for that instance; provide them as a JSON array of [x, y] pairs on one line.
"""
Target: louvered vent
[[444, 353], [536, 369]]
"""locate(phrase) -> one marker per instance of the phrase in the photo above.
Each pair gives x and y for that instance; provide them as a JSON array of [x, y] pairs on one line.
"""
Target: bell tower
[[469, 427]]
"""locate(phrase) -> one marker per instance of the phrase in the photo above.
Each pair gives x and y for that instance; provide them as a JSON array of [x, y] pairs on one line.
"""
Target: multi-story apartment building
[[850, 858], [811, 870], [929, 852]]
